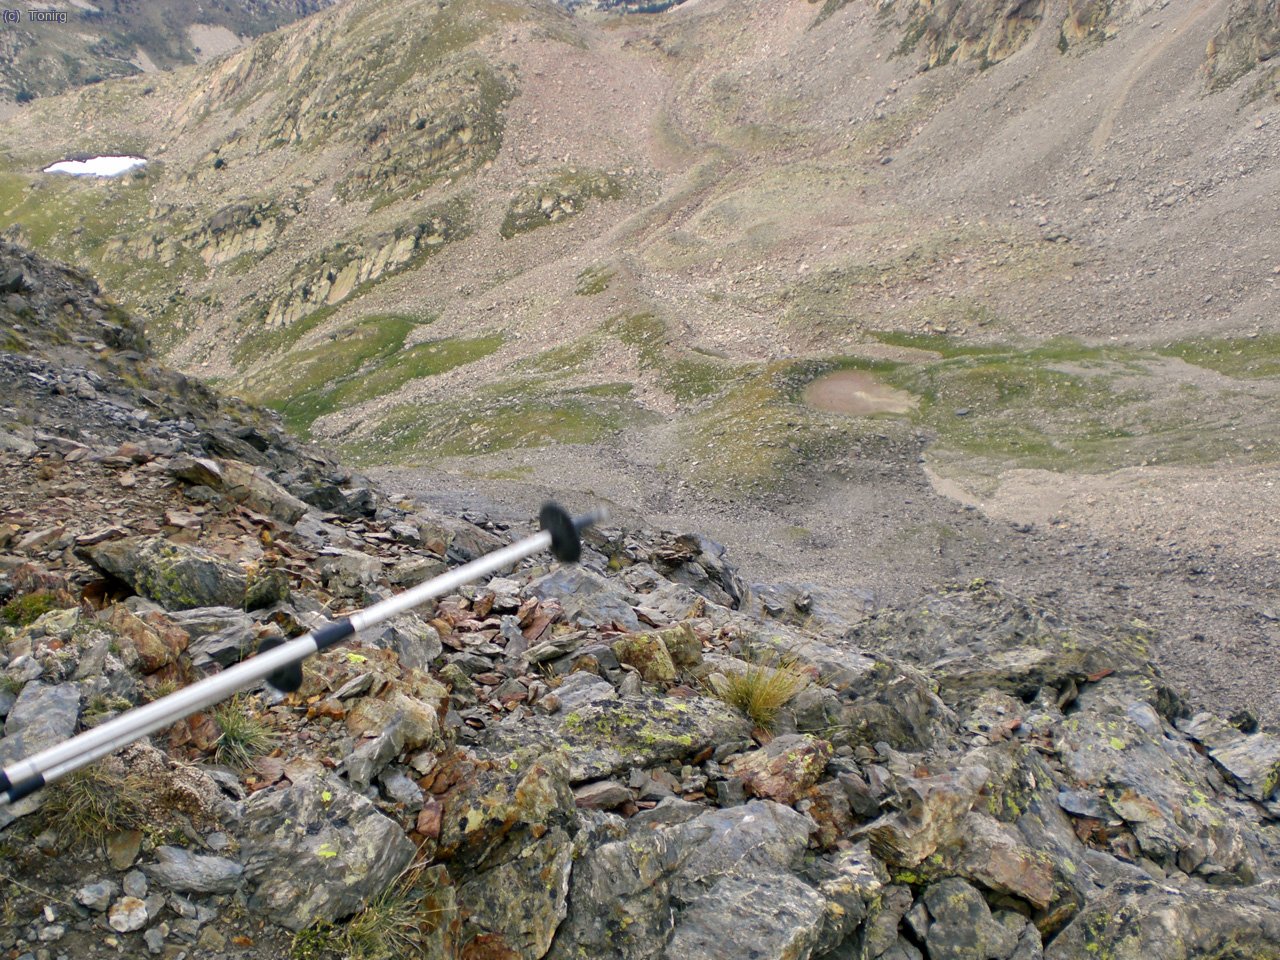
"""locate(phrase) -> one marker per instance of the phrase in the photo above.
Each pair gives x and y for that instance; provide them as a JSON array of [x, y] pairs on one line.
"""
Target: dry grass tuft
[[761, 689], [242, 735], [88, 804]]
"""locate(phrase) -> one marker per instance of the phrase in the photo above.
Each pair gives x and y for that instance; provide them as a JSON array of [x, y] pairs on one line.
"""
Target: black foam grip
[[565, 543], [331, 633], [5, 782], [26, 787], [288, 678]]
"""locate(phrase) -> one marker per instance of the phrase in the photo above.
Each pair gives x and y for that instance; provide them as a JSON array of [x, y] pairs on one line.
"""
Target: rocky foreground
[[565, 762]]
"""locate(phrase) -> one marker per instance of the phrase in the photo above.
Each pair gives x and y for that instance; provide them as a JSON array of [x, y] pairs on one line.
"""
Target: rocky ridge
[[546, 765]]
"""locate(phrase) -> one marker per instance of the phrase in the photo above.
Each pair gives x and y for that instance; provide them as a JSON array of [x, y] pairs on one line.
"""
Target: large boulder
[[174, 575]]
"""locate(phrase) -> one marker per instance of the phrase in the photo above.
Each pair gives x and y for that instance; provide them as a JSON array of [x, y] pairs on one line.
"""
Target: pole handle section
[[280, 662]]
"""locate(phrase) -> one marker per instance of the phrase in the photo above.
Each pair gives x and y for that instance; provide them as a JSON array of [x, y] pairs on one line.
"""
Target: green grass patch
[[421, 360], [1244, 358], [302, 388], [27, 609], [501, 418], [360, 363], [688, 376]]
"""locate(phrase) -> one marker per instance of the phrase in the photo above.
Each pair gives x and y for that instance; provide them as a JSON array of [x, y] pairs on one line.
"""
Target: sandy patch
[[856, 394], [211, 41]]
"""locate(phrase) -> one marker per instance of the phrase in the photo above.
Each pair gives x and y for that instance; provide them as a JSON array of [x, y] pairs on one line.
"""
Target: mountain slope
[[55, 46]]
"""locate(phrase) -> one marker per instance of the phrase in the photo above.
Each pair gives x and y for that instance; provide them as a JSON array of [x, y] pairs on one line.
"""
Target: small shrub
[[242, 735], [761, 690]]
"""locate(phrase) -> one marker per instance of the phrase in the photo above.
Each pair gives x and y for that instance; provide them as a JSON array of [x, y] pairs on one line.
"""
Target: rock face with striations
[[540, 761]]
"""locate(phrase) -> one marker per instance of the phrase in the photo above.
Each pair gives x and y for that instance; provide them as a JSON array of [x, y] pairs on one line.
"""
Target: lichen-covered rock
[[932, 808], [785, 768], [1249, 40], [648, 654], [609, 737], [619, 903], [174, 575], [1142, 920], [507, 837], [963, 928], [316, 851], [1155, 782]]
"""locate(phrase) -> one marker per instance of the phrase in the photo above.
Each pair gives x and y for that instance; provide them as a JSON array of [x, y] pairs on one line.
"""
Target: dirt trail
[[1141, 64]]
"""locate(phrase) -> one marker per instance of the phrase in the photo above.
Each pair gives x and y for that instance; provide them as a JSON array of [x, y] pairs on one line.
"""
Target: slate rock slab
[[188, 872]]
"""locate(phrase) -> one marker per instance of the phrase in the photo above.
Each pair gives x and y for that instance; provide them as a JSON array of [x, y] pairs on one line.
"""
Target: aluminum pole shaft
[[34, 772]]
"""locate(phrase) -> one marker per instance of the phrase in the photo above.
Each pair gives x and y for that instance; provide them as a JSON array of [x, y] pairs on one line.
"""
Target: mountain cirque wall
[[537, 766]]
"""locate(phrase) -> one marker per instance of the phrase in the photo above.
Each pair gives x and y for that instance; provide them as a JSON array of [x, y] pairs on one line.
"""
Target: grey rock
[[348, 573], [760, 837], [963, 928], [883, 920], [602, 795], [135, 884], [316, 851], [41, 717], [15, 444], [415, 642], [97, 896], [587, 597], [770, 918], [582, 688], [154, 939], [401, 789], [187, 872]]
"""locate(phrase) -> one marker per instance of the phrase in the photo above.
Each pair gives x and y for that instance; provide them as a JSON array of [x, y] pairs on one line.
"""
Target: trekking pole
[[279, 662]]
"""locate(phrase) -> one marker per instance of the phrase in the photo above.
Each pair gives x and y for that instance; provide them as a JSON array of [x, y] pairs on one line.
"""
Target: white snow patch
[[96, 166]]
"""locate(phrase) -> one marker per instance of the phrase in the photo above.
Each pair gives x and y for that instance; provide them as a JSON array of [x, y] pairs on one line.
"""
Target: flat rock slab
[[1253, 760], [587, 597], [317, 851], [174, 575], [767, 918]]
